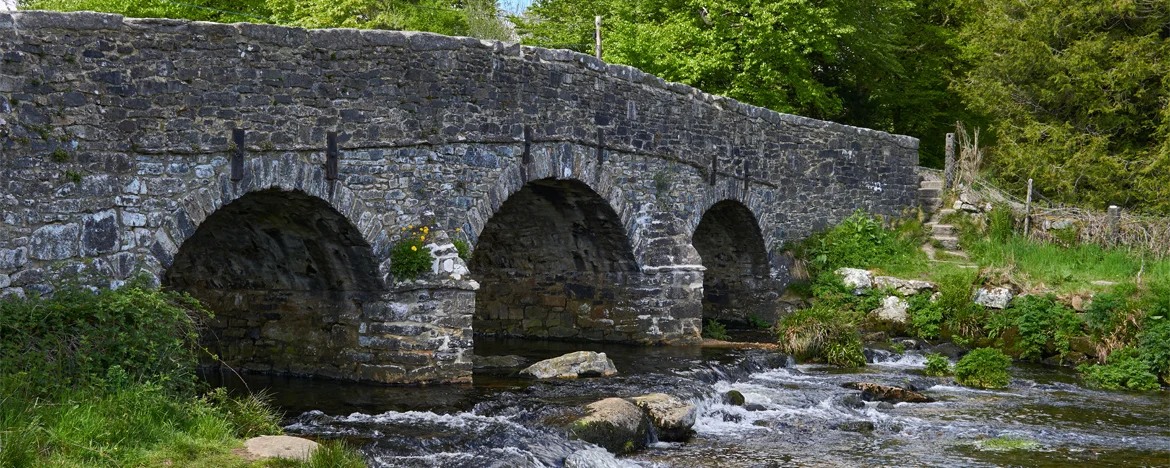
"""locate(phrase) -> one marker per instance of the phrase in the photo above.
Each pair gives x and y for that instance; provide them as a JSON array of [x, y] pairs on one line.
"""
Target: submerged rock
[[856, 279], [995, 298], [572, 365], [673, 418], [855, 426], [903, 286], [733, 397], [499, 362], [877, 392], [615, 424], [281, 446], [592, 458]]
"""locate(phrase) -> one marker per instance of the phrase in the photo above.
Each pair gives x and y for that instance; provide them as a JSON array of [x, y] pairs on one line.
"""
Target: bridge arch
[[739, 284], [284, 269]]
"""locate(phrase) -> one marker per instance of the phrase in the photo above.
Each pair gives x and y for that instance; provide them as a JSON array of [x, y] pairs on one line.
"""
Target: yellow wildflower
[[426, 229], [422, 238], [414, 248], [458, 229], [411, 226]]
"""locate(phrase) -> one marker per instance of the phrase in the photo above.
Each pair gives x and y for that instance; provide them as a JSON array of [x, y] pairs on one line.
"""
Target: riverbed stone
[[893, 310], [733, 397], [572, 365], [995, 298], [280, 446], [904, 287], [889, 393], [593, 458], [856, 279], [673, 418], [615, 424]]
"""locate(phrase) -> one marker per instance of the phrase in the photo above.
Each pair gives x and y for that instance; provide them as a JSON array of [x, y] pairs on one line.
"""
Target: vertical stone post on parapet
[[949, 167], [1113, 223], [420, 331]]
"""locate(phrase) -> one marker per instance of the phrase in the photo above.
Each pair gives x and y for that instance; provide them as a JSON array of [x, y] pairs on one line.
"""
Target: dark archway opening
[[285, 275], [555, 262], [736, 284]]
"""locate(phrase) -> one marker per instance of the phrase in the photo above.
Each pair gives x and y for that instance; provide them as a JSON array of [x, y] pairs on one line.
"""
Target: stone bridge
[[269, 171]]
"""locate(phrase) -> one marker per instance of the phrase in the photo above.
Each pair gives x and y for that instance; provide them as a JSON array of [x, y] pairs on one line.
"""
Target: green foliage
[[926, 317], [1008, 443], [410, 257], [961, 316], [1154, 343], [253, 11], [77, 337], [1000, 223], [463, 248], [1067, 268], [60, 155], [937, 365], [984, 368], [1124, 370], [821, 333], [754, 321], [251, 415], [882, 64], [1078, 91], [861, 241], [715, 330], [1036, 321]]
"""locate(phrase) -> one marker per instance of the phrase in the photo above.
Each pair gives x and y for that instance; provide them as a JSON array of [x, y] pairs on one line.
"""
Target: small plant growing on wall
[[410, 257], [463, 248]]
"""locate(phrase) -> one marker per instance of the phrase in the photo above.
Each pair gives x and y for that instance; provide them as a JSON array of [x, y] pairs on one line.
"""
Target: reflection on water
[[795, 415]]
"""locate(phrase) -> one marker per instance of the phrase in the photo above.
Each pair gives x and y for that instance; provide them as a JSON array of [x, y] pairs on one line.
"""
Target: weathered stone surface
[[893, 310], [995, 298], [672, 417], [499, 362], [877, 392], [856, 279], [615, 424], [593, 458], [571, 366], [733, 397], [429, 128], [281, 446], [903, 286]]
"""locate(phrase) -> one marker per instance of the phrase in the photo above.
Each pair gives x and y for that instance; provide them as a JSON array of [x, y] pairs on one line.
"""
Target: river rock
[[995, 298], [280, 446], [592, 458], [877, 392], [893, 310], [855, 426], [572, 365], [672, 417], [856, 279], [615, 424], [903, 286], [733, 397], [1083, 345], [499, 362], [952, 351]]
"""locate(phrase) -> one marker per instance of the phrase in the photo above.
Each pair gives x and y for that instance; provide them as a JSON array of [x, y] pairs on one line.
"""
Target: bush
[[716, 331], [1036, 321], [754, 321], [79, 338], [251, 415], [962, 317], [984, 368], [1124, 370], [821, 333], [410, 257], [926, 317], [937, 365], [1154, 344], [1000, 223], [861, 241], [463, 248]]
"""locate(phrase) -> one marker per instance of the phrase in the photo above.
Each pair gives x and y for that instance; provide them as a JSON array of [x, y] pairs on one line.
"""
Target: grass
[[1066, 269], [822, 334]]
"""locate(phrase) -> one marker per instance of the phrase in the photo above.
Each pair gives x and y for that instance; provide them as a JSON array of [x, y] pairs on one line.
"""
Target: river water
[[795, 415]]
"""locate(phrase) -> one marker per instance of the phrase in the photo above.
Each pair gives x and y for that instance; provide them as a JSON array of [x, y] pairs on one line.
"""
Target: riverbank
[[107, 379]]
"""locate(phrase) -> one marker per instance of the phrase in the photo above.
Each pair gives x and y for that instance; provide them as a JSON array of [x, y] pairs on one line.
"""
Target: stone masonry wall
[[117, 143]]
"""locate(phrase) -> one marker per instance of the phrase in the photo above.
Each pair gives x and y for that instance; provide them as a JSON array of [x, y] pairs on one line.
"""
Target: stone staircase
[[944, 235]]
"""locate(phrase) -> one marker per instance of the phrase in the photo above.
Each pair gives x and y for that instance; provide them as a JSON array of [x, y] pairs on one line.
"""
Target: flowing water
[[795, 415]]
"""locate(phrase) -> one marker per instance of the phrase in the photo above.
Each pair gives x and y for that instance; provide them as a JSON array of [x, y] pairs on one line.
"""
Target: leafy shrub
[[251, 415], [1154, 343], [463, 248], [754, 321], [1000, 223], [410, 257], [715, 330], [984, 368], [926, 317], [1124, 369], [1037, 321], [822, 333], [937, 365], [1113, 318], [861, 241], [109, 338]]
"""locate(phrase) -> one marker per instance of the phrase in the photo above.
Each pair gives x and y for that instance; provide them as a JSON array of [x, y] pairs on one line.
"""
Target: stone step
[[941, 229], [944, 212], [955, 253], [930, 205], [957, 264], [948, 242], [929, 192], [931, 184]]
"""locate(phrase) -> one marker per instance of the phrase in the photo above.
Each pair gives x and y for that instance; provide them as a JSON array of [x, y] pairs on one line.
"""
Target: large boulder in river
[[672, 417], [876, 392], [613, 423], [571, 366], [856, 279]]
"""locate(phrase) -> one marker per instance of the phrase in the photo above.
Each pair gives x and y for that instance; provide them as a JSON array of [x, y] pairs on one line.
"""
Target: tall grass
[[1067, 268]]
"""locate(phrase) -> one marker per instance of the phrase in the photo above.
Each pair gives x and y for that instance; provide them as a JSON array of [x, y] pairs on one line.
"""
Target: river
[[795, 415]]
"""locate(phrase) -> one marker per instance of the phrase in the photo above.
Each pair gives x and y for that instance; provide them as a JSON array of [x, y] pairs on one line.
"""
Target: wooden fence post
[[1028, 209], [597, 35], [949, 167], [1113, 221]]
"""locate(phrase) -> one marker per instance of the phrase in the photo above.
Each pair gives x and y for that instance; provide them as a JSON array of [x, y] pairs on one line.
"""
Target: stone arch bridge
[[269, 171]]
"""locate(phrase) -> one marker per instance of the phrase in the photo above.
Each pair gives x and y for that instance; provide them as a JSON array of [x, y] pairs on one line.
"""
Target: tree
[[1080, 95]]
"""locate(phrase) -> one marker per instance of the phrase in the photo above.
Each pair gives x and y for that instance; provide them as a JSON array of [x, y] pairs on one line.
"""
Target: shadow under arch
[[286, 275], [737, 283], [554, 261]]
